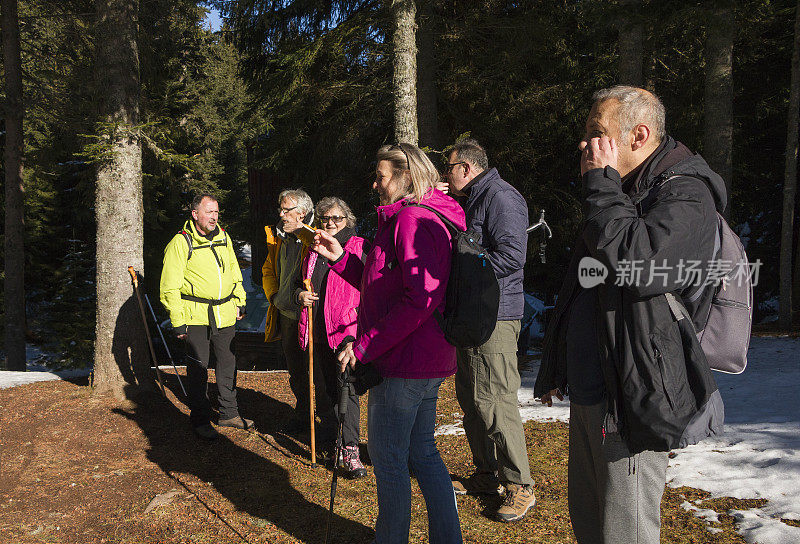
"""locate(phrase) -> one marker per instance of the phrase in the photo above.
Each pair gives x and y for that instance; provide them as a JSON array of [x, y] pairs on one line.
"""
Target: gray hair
[[330, 202], [471, 151], [304, 201], [636, 106], [198, 199]]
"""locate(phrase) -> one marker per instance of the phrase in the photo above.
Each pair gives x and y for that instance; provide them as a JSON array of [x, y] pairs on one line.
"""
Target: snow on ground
[[759, 455], [36, 372]]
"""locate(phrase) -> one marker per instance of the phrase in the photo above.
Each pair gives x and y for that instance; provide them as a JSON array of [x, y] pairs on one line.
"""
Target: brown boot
[[519, 499], [480, 483], [236, 422]]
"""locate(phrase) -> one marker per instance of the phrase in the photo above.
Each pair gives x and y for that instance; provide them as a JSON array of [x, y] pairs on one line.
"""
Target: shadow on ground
[[252, 483]]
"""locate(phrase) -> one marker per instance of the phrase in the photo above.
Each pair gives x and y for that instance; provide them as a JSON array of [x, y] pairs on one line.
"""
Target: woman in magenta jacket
[[335, 311], [402, 282]]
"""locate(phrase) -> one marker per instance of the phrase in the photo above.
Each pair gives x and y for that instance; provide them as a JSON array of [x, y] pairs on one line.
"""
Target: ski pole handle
[[344, 392], [134, 277]]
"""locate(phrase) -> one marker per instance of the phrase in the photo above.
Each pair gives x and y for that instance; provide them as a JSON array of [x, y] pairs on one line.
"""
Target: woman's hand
[[327, 246], [307, 298], [347, 357]]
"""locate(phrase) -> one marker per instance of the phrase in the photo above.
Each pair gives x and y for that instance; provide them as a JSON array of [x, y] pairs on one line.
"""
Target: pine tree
[[14, 287], [120, 346], [790, 182], [404, 82]]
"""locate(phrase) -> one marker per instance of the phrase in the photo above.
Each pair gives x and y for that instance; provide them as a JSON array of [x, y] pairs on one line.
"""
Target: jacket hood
[[697, 167], [673, 158], [199, 238], [435, 199]]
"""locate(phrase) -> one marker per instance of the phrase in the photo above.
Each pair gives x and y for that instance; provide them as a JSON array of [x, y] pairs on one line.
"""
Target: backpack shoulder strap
[[188, 238], [447, 223]]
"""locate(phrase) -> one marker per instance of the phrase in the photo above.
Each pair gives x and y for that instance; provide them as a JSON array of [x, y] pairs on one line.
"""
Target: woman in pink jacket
[[335, 311], [402, 283]]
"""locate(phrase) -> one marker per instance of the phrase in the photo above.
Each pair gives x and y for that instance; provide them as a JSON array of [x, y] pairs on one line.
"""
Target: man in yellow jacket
[[201, 287]]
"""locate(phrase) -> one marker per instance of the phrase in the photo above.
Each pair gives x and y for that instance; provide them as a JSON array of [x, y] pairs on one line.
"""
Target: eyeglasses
[[448, 167], [408, 162], [325, 219], [283, 210]]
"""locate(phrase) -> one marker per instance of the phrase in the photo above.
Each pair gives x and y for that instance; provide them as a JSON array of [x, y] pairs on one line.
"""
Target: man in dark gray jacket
[[487, 379], [637, 379]]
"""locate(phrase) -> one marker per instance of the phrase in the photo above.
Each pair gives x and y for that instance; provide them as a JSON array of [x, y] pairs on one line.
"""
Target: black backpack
[[473, 294]]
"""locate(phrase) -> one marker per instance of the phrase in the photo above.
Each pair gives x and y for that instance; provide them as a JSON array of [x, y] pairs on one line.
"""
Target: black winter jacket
[[498, 213], [660, 391]]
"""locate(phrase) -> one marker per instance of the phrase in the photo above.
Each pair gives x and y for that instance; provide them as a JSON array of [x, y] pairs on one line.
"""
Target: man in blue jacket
[[487, 379]]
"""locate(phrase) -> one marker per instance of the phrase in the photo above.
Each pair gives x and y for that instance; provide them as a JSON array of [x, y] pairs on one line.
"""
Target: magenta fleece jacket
[[402, 282]]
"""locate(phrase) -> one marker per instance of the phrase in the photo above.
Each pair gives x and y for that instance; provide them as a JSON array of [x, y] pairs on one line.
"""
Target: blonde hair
[[408, 157]]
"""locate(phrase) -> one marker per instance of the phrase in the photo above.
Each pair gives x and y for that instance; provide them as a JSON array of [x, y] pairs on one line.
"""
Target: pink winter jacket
[[403, 280], [341, 300]]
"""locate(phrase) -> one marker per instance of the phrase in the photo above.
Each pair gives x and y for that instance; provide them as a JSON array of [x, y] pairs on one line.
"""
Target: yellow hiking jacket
[[211, 272], [270, 278]]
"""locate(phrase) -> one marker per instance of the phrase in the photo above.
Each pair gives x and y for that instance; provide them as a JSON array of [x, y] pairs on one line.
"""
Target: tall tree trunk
[[427, 100], [121, 354], [14, 285], [718, 121], [404, 88], [630, 45], [790, 182]]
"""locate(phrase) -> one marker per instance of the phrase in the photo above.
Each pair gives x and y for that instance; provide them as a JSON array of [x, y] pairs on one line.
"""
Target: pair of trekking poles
[[135, 281]]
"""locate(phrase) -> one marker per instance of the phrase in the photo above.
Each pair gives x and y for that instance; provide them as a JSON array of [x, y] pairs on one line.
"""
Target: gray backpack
[[726, 335]]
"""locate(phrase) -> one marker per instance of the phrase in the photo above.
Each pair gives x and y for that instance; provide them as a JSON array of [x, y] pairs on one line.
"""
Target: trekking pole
[[546, 234], [308, 286], [344, 394], [166, 347], [135, 280]]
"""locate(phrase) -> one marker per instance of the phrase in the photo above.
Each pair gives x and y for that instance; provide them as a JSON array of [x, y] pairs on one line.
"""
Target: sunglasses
[[325, 219], [400, 147]]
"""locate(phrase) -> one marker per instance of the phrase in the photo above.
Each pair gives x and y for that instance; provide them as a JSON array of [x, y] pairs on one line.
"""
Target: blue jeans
[[402, 416]]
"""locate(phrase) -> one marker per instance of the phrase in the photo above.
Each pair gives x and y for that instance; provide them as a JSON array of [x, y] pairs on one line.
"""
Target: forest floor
[[77, 469]]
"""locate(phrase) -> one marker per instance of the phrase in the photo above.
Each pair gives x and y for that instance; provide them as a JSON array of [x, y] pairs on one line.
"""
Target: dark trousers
[[297, 364], [199, 341], [329, 365]]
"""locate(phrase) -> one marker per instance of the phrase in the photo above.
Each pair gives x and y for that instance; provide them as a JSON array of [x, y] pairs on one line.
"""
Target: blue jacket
[[499, 214]]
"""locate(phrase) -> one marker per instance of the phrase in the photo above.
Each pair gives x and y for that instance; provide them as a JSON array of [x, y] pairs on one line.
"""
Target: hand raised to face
[[598, 153]]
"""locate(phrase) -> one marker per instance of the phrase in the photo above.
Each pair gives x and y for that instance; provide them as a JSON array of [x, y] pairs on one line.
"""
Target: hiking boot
[[480, 483], [519, 499], [206, 432], [352, 463], [237, 422]]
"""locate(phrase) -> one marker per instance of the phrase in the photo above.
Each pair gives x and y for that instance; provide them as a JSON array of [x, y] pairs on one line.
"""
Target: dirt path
[[76, 469]]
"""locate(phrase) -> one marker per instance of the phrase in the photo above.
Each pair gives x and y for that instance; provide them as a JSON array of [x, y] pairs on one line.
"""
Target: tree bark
[[404, 88], [630, 45], [14, 284], [427, 99], [790, 183], [718, 120], [121, 353]]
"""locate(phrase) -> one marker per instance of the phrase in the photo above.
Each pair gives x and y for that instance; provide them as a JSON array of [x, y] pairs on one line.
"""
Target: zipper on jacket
[[219, 296], [729, 303], [660, 360]]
